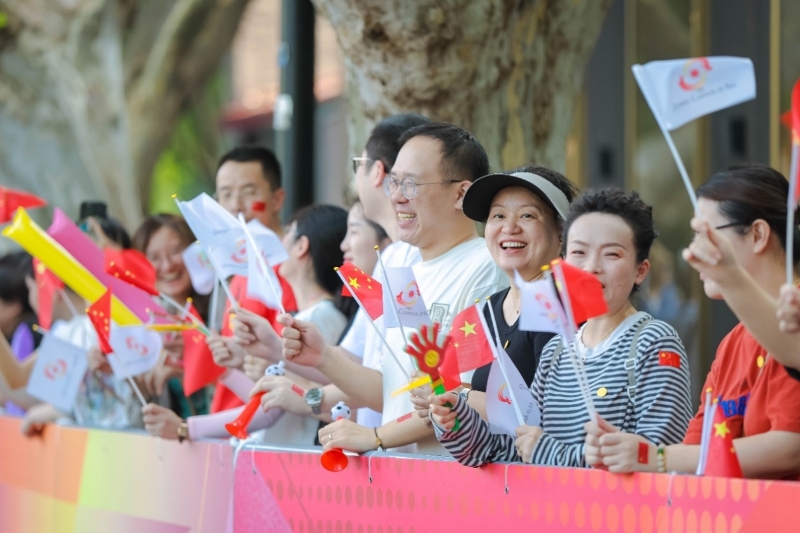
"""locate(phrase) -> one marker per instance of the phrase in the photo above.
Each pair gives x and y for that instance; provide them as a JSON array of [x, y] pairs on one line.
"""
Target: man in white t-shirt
[[435, 166], [361, 340]]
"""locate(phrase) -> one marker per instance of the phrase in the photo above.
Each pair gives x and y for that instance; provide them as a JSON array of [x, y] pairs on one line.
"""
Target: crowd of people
[[422, 187]]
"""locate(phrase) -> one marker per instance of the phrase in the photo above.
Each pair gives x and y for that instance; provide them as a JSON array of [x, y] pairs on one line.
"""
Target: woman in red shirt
[[739, 250]]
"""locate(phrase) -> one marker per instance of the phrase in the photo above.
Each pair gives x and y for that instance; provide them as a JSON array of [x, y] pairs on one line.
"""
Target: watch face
[[314, 396]]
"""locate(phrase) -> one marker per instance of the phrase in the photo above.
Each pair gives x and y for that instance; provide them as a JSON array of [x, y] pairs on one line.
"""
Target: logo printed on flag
[[136, 350], [501, 412], [58, 372], [501, 394], [55, 369], [240, 254], [408, 301], [682, 90], [694, 74], [541, 310], [199, 267]]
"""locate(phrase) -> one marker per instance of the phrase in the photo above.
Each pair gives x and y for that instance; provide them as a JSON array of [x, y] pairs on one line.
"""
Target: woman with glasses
[[739, 251], [162, 238]]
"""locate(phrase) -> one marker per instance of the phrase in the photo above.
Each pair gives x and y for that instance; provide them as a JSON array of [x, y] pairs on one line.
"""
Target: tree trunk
[[90, 92], [507, 70]]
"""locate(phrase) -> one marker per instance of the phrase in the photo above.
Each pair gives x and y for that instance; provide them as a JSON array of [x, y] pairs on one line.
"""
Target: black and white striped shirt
[[660, 411]]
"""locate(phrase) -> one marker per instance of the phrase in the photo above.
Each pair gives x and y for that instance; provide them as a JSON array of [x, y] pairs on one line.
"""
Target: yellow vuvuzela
[[39, 244]]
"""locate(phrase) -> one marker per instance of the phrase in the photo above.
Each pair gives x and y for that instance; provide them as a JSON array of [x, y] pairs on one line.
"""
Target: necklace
[[624, 316]]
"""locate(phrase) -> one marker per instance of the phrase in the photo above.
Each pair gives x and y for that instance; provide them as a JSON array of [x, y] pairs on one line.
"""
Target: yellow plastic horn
[[25, 232]]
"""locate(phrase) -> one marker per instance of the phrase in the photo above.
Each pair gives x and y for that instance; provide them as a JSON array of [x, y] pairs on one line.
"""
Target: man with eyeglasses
[[435, 166], [248, 181], [361, 345]]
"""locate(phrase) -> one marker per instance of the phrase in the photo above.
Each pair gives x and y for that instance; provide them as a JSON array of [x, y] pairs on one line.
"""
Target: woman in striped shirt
[[739, 250], [636, 365]]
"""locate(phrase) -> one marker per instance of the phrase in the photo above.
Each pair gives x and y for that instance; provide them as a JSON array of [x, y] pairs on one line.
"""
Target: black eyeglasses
[[730, 225]]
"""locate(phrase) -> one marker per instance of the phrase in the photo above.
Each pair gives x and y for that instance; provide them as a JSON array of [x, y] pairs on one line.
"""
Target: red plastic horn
[[238, 428], [334, 460]]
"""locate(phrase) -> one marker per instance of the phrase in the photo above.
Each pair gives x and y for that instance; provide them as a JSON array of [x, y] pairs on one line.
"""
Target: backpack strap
[[557, 354], [630, 362]]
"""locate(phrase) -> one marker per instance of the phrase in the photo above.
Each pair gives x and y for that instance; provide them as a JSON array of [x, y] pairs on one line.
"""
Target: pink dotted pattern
[[418, 495]]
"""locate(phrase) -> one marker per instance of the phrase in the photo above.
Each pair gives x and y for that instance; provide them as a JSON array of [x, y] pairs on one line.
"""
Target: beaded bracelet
[[661, 459]]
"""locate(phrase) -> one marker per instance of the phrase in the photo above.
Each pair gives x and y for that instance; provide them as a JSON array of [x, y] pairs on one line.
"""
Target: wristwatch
[[314, 400], [183, 432]]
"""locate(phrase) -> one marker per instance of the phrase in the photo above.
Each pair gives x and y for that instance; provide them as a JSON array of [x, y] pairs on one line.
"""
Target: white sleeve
[[356, 338]]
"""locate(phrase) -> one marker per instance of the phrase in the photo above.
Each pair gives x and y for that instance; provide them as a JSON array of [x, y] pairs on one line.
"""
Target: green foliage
[[188, 164]]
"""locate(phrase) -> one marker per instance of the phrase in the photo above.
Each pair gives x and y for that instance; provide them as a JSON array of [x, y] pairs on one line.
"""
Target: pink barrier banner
[[79, 480]]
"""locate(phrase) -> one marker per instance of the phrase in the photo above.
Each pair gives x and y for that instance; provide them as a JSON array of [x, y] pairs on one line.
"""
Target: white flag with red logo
[[540, 308], [136, 350], [57, 375], [405, 297], [219, 234], [266, 291], [501, 395], [681, 90], [199, 268], [268, 243]]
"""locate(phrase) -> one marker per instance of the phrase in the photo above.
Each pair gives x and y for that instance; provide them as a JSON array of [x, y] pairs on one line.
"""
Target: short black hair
[[115, 231], [628, 206], [463, 157], [325, 227], [270, 166], [747, 193], [384, 140], [13, 269]]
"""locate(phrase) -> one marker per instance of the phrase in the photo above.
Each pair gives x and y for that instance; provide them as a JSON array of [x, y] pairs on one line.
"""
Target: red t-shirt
[[223, 398], [755, 392]]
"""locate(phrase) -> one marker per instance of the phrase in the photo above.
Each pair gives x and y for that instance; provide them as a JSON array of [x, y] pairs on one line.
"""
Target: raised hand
[[302, 341]]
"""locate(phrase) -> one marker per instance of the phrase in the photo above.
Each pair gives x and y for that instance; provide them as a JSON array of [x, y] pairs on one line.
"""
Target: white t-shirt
[[361, 339], [297, 429], [448, 284]]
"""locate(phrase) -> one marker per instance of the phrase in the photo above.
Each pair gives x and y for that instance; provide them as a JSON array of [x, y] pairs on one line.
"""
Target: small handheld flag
[[199, 368], [137, 350], [722, 460], [11, 200], [58, 373], [681, 90], [131, 266], [99, 314], [48, 286]]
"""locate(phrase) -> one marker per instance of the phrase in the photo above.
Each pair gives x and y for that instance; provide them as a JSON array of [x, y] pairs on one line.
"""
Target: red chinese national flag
[[47, 285], [585, 292], [99, 314], [722, 458], [469, 348], [367, 291], [669, 359], [199, 368], [131, 266], [11, 200]]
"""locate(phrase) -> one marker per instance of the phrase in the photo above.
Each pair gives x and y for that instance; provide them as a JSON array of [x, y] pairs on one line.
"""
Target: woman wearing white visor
[[524, 211]]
